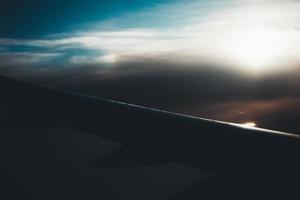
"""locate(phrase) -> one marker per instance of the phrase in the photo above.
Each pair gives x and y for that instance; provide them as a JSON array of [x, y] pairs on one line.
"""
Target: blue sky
[[32, 18]]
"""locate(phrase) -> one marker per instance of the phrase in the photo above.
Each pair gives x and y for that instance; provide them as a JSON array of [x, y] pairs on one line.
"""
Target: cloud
[[161, 84], [26, 58], [231, 33]]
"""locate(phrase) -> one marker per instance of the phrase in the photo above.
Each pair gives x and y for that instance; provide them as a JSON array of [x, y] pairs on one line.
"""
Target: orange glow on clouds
[[250, 124]]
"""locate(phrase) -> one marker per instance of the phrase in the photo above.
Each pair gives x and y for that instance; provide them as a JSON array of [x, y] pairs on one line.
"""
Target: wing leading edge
[[150, 135]]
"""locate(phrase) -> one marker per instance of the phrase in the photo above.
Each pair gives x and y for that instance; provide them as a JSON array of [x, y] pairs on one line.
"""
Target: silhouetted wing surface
[[150, 135]]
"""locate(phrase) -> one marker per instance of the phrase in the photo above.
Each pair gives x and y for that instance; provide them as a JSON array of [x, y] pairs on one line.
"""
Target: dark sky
[[229, 60]]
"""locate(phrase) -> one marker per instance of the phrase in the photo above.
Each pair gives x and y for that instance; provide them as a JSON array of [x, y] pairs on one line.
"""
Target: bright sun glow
[[257, 49]]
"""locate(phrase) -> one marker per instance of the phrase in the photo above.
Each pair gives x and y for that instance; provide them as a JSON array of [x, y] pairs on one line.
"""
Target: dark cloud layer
[[202, 90]]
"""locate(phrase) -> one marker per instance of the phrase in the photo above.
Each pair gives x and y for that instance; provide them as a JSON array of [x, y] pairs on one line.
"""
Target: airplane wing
[[150, 136]]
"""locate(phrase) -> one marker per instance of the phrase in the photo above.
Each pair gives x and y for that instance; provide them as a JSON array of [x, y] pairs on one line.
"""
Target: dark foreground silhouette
[[53, 147]]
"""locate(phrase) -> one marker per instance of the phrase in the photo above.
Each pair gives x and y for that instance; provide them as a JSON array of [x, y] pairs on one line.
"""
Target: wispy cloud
[[25, 58]]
